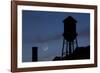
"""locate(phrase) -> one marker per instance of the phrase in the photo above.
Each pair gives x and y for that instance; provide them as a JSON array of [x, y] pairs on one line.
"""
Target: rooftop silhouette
[[78, 54]]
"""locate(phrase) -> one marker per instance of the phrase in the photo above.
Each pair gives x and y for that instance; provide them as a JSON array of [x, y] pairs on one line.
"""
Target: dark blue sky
[[44, 30]]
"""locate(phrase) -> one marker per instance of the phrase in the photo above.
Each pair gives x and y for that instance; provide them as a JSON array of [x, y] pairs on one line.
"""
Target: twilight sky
[[44, 30]]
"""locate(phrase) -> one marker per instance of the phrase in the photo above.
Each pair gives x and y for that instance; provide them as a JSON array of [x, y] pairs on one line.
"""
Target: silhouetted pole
[[34, 54], [69, 36]]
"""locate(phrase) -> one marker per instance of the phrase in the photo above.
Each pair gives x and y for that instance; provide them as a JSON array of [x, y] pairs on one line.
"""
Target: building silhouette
[[79, 54]]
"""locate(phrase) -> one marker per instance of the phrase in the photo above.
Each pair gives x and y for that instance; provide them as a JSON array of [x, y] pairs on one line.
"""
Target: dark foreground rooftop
[[78, 54]]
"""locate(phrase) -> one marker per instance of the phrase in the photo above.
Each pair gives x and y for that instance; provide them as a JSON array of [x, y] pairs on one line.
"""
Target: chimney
[[34, 54]]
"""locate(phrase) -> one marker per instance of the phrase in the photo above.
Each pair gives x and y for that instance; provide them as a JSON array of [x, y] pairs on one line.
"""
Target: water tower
[[69, 36]]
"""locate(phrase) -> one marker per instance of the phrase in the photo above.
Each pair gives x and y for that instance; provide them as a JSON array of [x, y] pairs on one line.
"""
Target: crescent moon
[[46, 48]]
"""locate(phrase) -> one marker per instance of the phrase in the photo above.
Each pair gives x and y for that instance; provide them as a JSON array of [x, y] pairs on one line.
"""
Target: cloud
[[40, 39]]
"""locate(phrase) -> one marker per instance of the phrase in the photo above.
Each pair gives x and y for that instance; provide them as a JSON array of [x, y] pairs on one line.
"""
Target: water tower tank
[[69, 28]]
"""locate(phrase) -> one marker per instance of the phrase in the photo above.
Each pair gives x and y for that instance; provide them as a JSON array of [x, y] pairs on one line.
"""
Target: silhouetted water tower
[[70, 36]]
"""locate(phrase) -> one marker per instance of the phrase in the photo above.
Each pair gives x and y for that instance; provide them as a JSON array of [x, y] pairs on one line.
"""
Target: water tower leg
[[72, 47], [67, 50], [63, 48], [69, 47], [76, 43]]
